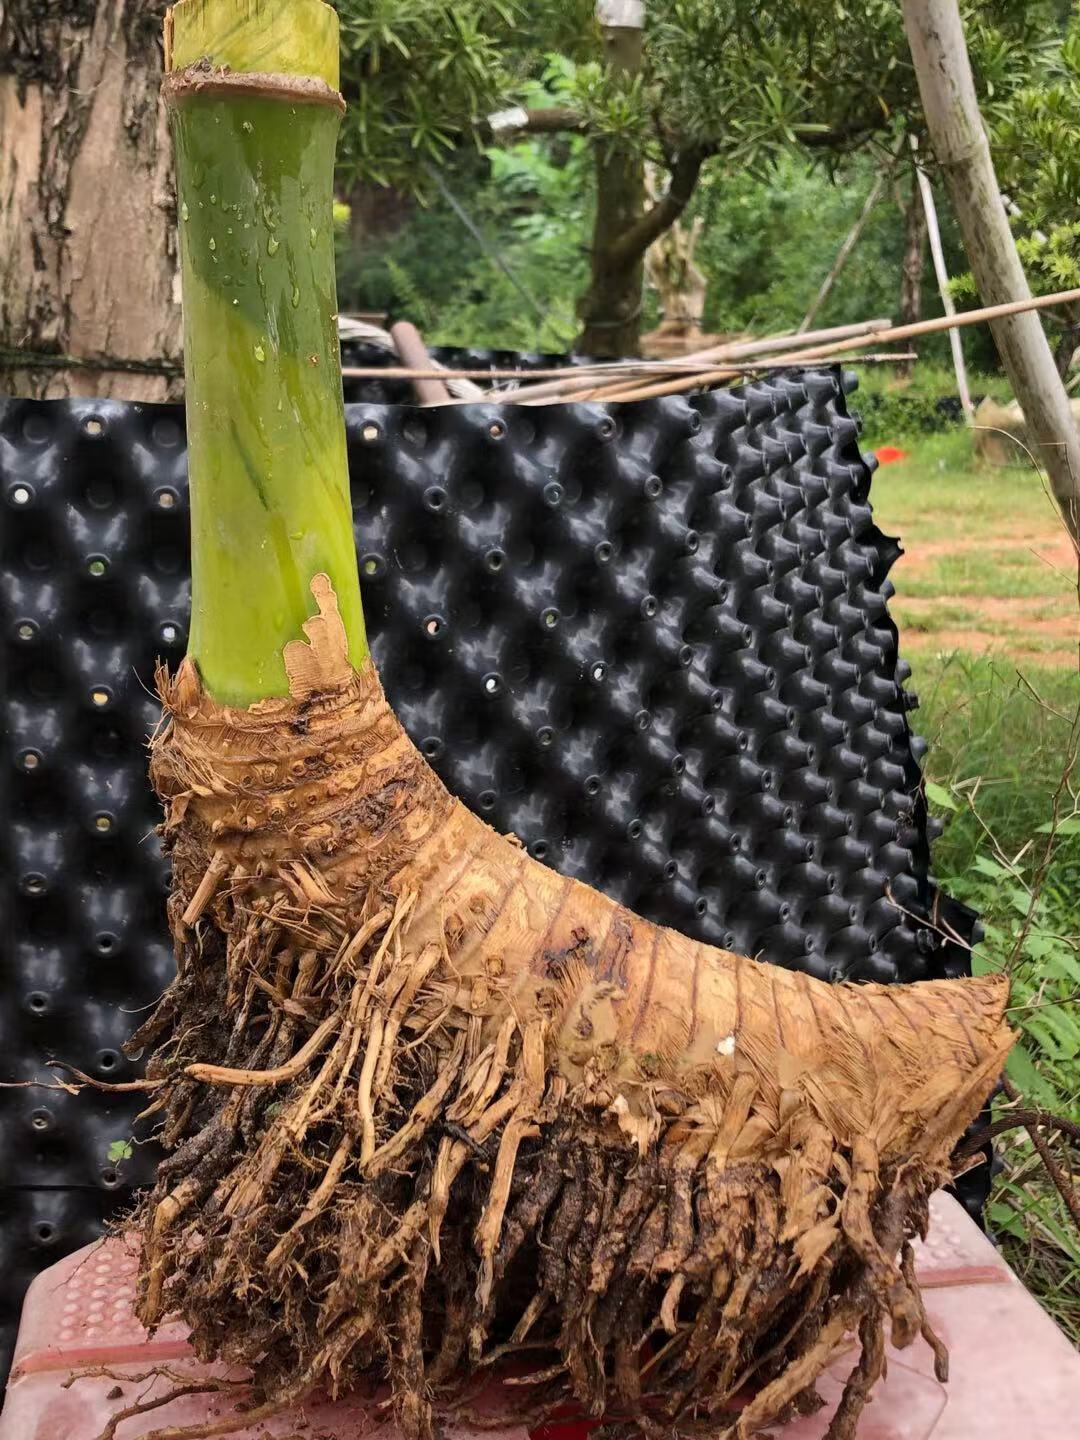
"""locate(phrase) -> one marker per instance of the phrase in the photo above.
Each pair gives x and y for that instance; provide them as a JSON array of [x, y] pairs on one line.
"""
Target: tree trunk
[[376, 213], [911, 274], [610, 310], [88, 256], [1067, 342], [936, 34]]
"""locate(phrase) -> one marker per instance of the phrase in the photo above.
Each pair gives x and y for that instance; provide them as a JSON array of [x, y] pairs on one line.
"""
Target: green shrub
[[924, 404]]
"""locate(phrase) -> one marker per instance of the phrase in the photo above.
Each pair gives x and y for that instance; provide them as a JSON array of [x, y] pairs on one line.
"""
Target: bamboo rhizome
[[437, 1117]]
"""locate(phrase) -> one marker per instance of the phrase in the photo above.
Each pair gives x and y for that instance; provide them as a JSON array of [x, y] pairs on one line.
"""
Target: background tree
[[88, 263], [1035, 139], [938, 48], [725, 102], [721, 84]]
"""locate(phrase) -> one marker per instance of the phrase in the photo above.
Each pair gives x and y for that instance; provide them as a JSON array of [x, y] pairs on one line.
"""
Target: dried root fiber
[[439, 1116]]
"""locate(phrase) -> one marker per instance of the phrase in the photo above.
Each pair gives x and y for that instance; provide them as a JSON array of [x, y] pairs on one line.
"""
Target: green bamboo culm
[[252, 91]]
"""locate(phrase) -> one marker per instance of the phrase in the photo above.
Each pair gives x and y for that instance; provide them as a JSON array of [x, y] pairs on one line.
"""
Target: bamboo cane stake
[[843, 254], [933, 231], [615, 370], [408, 372], [732, 350], [409, 344], [824, 352]]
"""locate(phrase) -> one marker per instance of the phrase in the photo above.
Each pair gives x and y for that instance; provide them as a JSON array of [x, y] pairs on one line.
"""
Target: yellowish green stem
[[266, 428]]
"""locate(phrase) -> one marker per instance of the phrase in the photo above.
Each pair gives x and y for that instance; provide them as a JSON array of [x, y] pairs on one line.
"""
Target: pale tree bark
[[937, 250], [678, 282], [610, 310], [936, 35], [88, 259]]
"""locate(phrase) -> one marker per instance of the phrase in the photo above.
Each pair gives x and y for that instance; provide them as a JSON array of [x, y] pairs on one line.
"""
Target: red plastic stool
[[1013, 1374]]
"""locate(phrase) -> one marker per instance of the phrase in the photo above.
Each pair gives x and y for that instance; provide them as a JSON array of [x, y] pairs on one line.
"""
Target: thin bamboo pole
[[408, 372], [937, 252], [825, 352], [843, 255], [583, 377], [409, 344], [614, 370]]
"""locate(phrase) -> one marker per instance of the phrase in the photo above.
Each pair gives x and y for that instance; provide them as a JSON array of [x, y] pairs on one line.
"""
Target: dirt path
[[1051, 548], [1038, 629]]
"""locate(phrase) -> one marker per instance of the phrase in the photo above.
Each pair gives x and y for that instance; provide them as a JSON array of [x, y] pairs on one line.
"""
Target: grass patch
[[931, 622], [1013, 574], [987, 563], [1047, 645], [940, 493], [983, 720]]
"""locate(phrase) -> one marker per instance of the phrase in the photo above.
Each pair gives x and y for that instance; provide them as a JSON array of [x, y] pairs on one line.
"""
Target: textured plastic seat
[[1013, 1374]]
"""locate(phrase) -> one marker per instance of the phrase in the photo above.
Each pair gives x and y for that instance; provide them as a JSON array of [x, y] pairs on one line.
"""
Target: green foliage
[[532, 203], [119, 1150], [769, 240], [419, 76], [1035, 136], [749, 80], [780, 98], [1036, 133], [1054, 259], [1012, 851], [740, 80], [537, 229], [926, 403], [889, 413]]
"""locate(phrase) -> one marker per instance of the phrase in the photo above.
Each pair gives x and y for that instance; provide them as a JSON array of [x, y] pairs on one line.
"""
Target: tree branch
[[1015, 1120], [1053, 1169], [684, 175], [550, 120], [841, 135]]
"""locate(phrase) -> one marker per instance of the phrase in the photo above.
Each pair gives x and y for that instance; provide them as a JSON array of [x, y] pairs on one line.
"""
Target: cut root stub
[[441, 1115]]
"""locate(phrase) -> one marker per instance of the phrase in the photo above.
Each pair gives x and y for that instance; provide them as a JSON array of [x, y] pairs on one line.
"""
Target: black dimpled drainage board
[[651, 640]]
